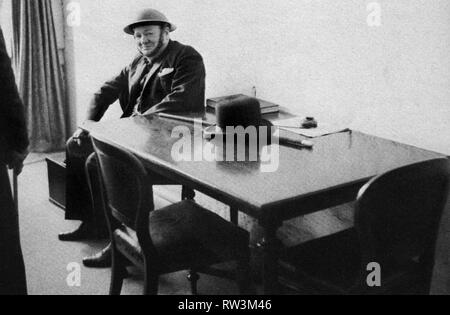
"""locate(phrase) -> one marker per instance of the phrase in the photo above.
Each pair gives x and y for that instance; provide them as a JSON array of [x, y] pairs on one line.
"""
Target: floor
[[52, 265]]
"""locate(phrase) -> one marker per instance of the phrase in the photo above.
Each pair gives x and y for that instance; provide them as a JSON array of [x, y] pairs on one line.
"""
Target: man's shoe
[[100, 260], [84, 232]]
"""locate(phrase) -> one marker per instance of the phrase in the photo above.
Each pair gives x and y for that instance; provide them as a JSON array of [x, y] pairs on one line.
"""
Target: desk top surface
[[335, 161]]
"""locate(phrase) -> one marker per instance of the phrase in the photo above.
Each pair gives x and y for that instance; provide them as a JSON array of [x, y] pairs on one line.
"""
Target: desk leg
[[187, 193], [234, 216], [271, 251]]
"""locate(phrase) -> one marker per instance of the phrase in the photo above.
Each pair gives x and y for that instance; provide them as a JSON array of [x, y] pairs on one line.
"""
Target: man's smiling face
[[150, 39]]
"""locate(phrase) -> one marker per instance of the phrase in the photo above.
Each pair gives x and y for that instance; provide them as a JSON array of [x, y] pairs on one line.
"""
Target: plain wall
[[315, 57]]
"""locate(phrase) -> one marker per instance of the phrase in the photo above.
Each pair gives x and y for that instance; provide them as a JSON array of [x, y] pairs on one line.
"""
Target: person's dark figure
[[13, 151], [166, 76], [81, 205]]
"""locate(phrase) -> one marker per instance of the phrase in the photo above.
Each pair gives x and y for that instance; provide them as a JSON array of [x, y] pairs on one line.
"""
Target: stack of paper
[[295, 125]]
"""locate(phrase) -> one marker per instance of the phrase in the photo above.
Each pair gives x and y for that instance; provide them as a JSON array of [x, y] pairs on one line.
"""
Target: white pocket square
[[165, 72]]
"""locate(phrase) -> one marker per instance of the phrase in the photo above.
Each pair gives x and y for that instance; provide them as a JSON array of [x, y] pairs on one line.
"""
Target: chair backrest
[[128, 196], [398, 214]]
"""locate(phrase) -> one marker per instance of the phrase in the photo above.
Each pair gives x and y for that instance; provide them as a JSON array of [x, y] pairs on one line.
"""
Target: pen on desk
[[291, 139], [297, 143]]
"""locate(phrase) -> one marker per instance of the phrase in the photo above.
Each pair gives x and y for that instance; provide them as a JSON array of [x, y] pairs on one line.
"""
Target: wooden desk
[[306, 180]]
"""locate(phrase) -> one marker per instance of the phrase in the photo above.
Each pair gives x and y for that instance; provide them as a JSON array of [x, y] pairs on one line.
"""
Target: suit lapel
[[137, 77], [135, 86], [152, 72], [135, 80]]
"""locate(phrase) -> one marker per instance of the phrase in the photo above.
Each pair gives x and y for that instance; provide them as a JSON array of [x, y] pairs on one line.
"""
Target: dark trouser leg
[[12, 269], [78, 197], [271, 247]]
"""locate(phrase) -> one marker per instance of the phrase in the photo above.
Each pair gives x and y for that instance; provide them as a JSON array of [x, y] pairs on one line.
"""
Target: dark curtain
[[39, 74]]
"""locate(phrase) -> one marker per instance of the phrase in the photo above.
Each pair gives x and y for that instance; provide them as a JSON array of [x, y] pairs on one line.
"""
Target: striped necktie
[[143, 79]]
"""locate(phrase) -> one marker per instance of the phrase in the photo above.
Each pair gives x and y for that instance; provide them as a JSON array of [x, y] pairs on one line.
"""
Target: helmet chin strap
[[160, 48]]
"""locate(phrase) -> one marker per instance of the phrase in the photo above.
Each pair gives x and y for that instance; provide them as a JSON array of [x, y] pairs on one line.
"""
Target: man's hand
[[15, 161], [79, 135]]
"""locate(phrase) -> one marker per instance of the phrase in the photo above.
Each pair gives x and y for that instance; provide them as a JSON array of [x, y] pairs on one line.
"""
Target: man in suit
[[13, 151], [166, 76]]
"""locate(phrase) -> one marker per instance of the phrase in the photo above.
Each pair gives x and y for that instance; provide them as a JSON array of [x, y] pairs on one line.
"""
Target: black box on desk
[[57, 181]]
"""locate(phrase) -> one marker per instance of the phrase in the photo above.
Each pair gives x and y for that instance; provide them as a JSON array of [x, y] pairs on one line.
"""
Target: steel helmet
[[150, 16]]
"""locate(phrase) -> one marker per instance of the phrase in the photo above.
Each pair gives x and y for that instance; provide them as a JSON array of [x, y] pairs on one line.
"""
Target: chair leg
[[193, 278], [187, 194], [99, 218], [118, 273], [151, 283], [234, 216]]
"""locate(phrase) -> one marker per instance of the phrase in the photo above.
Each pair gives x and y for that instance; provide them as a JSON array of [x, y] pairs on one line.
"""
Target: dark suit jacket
[[177, 84], [13, 136], [13, 130]]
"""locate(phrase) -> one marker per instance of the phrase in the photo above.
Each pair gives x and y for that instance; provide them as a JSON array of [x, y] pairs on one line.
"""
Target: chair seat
[[185, 236], [332, 265]]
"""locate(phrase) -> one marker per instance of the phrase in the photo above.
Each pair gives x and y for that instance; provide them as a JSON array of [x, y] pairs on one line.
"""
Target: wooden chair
[[397, 219], [182, 236]]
